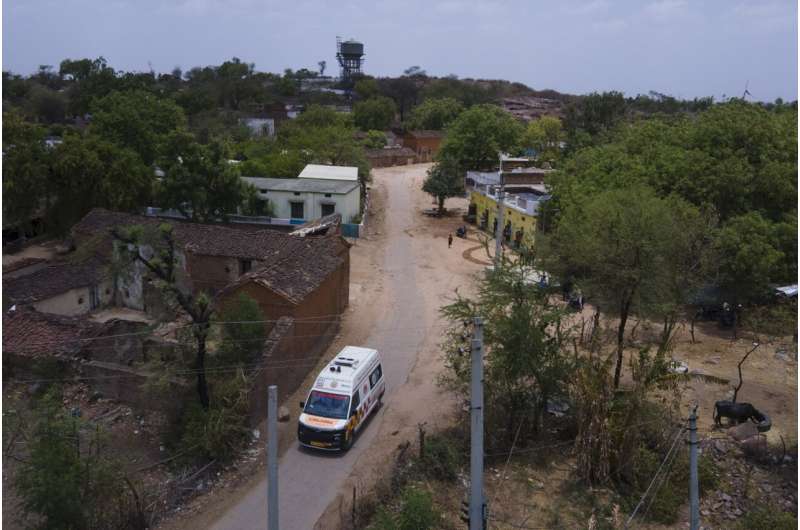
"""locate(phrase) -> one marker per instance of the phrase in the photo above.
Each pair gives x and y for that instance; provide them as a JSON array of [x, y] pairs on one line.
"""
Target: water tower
[[350, 55]]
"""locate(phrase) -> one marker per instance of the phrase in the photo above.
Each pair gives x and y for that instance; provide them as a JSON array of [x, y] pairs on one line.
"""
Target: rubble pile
[[746, 484]]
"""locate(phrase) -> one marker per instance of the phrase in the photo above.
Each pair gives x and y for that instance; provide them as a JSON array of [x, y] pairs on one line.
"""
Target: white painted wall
[[75, 301], [348, 204]]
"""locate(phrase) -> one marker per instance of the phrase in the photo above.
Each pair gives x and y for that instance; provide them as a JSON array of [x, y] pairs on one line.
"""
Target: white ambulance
[[344, 394]]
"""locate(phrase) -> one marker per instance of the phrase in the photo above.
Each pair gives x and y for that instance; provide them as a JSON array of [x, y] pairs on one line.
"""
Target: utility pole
[[272, 458], [498, 244], [694, 487], [477, 504]]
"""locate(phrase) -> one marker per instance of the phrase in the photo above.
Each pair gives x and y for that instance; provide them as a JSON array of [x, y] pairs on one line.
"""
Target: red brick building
[[304, 275], [424, 143]]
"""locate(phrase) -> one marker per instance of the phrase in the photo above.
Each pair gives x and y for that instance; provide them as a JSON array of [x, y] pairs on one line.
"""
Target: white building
[[259, 126], [306, 199]]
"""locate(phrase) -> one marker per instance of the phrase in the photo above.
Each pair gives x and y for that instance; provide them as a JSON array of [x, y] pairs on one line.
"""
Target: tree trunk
[[623, 319], [202, 384], [441, 199], [691, 327], [739, 367]]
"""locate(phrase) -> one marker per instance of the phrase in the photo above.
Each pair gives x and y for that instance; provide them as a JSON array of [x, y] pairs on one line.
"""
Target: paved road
[[308, 482]]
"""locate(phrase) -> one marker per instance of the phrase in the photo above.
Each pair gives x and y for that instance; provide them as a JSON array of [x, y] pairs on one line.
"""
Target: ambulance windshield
[[327, 405]]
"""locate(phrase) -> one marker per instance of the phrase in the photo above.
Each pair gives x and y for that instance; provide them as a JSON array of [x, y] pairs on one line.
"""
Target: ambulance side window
[[356, 401], [375, 376]]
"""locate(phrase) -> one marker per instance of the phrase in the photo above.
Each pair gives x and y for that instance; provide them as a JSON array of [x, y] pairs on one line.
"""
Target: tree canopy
[[376, 113], [198, 180], [137, 120], [475, 139], [435, 114]]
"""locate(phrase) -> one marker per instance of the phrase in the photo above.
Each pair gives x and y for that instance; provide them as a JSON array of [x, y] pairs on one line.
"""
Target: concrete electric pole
[[498, 244], [694, 487], [272, 458], [477, 503]]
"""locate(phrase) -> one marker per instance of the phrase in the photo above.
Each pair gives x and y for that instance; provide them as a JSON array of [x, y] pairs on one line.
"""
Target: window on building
[[245, 265], [328, 195], [297, 193], [298, 210], [262, 190], [328, 209]]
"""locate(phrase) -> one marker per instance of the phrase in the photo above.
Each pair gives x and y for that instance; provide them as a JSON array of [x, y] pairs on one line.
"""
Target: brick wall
[[283, 364], [126, 384]]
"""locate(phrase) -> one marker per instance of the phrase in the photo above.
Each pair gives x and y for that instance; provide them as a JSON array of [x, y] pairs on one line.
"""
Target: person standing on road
[[449, 240]]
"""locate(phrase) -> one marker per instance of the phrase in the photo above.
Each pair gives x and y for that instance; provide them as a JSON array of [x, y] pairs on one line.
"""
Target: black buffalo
[[736, 412]]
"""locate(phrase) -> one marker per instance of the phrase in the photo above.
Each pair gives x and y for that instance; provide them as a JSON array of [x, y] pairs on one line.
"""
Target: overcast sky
[[685, 48]]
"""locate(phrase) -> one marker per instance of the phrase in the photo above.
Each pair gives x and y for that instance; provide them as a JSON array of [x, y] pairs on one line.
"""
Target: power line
[[664, 478], [658, 472]]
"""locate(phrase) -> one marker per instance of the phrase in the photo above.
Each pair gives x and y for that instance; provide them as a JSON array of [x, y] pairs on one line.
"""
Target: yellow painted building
[[519, 215]]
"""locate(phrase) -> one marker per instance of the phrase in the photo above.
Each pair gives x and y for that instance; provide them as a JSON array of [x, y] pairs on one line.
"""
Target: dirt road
[[403, 271]]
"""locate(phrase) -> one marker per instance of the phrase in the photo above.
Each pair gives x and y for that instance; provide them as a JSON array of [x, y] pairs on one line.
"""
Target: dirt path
[[401, 273]]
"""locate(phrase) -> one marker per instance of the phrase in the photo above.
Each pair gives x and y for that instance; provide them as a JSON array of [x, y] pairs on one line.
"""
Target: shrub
[[768, 518], [416, 513], [220, 432], [242, 341], [66, 486], [441, 459]]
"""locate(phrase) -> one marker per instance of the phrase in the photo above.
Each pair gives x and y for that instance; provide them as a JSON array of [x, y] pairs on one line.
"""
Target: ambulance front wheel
[[347, 443]]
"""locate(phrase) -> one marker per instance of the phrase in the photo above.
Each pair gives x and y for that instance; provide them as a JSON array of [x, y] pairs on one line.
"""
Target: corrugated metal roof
[[303, 185], [316, 171]]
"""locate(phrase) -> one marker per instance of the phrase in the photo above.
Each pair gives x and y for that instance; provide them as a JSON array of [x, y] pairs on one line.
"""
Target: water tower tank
[[352, 48]]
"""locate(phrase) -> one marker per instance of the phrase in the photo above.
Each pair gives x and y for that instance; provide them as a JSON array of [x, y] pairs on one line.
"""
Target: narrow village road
[[417, 272]]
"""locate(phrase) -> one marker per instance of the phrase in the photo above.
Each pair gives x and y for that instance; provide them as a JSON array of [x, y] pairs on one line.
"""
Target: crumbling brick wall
[[126, 384], [282, 363]]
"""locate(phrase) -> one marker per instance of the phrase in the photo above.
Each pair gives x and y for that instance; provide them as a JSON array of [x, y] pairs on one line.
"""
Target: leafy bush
[[66, 486], [220, 432], [242, 342], [441, 459], [768, 518], [664, 503], [416, 513]]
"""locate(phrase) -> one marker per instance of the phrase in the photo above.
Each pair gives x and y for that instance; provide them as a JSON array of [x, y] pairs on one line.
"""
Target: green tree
[[47, 105], [444, 180], [434, 114], [242, 332], [198, 180], [67, 482], [592, 114], [747, 246], [475, 139], [366, 88], [545, 136], [91, 80], [617, 245], [376, 113], [403, 90], [468, 93], [89, 172], [26, 166], [137, 120], [524, 334], [375, 140]]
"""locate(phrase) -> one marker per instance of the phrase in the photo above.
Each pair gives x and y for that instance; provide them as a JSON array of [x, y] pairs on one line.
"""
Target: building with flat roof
[[318, 171], [306, 199], [521, 209]]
